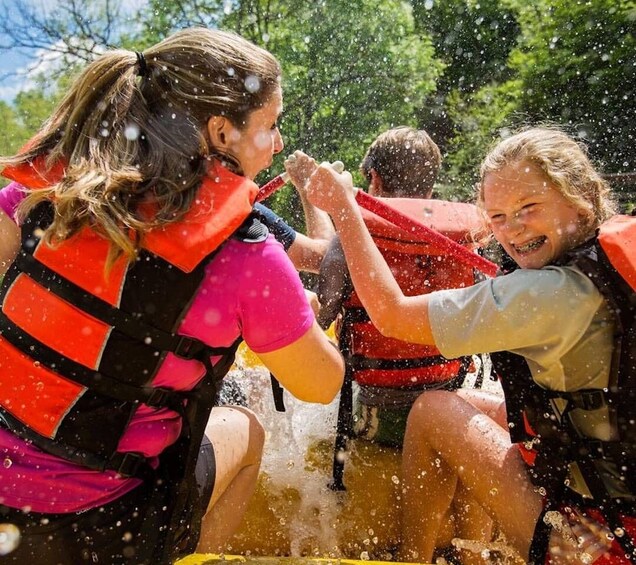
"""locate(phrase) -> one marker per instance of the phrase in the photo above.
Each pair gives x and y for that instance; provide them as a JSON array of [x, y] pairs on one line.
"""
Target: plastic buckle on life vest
[[159, 397], [589, 399], [187, 347], [129, 464]]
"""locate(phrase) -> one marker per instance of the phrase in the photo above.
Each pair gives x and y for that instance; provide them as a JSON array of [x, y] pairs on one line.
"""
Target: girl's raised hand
[[331, 189]]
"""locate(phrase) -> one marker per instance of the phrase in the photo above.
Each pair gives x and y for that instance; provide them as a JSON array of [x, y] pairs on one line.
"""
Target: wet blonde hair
[[406, 159], [133, 129], [565, 164]]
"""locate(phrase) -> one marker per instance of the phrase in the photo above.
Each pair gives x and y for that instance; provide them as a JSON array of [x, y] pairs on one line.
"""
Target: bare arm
[[318, 223], [334, 284], [311, 368], [393, 313], [306, 253], [308, 250], [9, 241]]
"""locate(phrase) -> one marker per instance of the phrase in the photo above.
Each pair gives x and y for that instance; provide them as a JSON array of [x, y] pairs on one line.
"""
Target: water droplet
[[252, 83], [9, 538], [7, 463], [131, 133]]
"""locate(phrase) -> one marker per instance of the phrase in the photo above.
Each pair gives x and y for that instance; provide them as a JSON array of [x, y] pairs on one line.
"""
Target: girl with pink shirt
[[133, 268]]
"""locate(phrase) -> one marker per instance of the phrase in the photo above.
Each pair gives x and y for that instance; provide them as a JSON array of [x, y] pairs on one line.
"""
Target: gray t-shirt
[[554, 317]]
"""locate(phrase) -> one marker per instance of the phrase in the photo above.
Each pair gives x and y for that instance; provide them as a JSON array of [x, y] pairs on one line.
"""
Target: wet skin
[[259, 140], [532, 220]]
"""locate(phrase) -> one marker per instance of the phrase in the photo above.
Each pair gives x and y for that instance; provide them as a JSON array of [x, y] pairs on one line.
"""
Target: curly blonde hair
[[566, 165], [132, 129]]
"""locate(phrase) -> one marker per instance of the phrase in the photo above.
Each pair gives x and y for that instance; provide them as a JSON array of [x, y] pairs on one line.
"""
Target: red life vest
[[419, 268], [79, 348]]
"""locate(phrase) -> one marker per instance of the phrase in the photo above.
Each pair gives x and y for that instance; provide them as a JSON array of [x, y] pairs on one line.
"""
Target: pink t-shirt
[[249, 289]]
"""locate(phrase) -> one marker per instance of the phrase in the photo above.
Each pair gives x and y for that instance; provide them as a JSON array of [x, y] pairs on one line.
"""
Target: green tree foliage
[[34, 106], [22, 118], [160, 18], [577, 63], [13, 131], [490, 110], [572, 63], [473, 39], [466, 70], [351, 69]]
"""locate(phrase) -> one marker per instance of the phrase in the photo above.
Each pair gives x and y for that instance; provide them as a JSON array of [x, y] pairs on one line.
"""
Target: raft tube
[[210, 559]]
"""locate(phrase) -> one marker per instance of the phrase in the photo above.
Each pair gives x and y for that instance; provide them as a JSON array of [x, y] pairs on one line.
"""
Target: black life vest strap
[[540, 537], [344, 424], [133, 327], [277, 393], [361, 362], [94, 380], [178, 462], [127, 464], [344, 431]]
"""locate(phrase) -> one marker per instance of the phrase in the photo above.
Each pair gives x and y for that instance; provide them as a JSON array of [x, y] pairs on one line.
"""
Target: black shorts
[[122, 532]]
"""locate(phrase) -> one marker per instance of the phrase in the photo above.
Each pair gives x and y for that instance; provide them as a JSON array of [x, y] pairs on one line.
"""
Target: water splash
[[497, 551]]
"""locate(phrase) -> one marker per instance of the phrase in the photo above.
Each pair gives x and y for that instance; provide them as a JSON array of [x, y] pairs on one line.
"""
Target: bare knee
[[428, 406], [236, 430], [256, 436]]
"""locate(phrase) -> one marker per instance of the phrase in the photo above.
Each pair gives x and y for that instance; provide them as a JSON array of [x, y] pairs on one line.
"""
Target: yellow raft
[[210, 559]]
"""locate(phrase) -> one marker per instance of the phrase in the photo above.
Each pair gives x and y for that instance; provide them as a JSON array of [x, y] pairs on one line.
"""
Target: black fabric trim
[[360, 362], [252, 230]]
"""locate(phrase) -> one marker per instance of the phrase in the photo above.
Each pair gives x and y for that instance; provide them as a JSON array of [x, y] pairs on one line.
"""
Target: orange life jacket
[[419, 268], [79, 348]]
